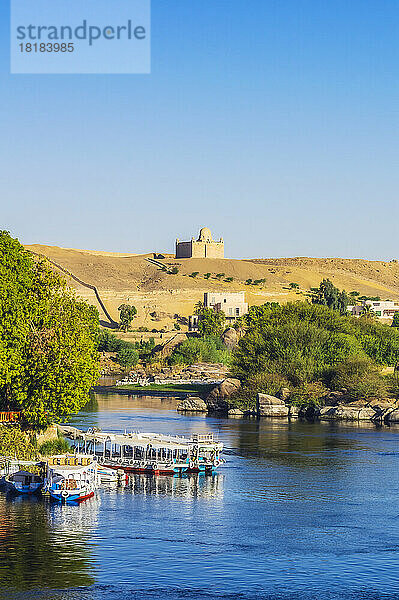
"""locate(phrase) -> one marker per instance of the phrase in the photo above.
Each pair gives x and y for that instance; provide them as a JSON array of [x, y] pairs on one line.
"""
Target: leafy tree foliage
[[328, 295], [359, 376], [305, 343], [210, 322], [128, 357], [126, 316], [207, 349], [48, 356], [395, 320]]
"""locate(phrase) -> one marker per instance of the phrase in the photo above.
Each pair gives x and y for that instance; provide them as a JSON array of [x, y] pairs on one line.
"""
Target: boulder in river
[[270, 406], [235, 412], [347, 412], [192, 404], [217, 399]]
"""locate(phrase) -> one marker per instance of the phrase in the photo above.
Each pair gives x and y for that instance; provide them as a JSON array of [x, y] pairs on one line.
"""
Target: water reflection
[[190, 487], [43, 547]]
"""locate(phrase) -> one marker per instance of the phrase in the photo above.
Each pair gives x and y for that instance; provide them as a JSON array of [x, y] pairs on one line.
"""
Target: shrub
[[309, 344], [127, 357], [309, 393], [360, 377], [51, 447], [207, 349]]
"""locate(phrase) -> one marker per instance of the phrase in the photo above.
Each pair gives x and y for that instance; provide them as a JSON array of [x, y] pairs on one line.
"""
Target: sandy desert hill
[[134, 279]]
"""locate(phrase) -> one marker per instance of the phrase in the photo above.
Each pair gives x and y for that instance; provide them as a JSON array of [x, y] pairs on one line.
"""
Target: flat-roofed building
[[231, 303], [383, 309]]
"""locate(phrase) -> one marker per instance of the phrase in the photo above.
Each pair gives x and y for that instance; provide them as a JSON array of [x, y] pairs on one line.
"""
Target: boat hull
[[71, 498], [177, 470]]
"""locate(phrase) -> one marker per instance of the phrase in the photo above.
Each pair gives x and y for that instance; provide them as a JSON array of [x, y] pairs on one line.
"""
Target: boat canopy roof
[[143, 440]]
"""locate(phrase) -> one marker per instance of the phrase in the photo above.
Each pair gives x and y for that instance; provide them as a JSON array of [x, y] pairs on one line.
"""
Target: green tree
[[194, 274], [329, 295], [220, 275], [304, 343], [199, 307], [174, 271], [127, 357], [210, 322], [395, 320], [48, 339], [126, 316], [294, 286], [207, 275]]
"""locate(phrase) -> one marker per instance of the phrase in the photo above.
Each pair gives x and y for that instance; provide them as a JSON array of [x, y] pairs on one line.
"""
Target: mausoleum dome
[[205, 235]]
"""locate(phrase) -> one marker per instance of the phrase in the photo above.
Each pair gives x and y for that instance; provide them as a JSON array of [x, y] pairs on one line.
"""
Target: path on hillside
[[86, 285]]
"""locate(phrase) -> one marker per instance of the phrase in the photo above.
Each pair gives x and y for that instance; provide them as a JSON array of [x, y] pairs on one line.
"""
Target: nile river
[[300, 511]]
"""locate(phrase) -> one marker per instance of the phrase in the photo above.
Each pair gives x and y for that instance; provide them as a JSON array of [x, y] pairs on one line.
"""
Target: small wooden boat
[[23, 482], [71, 478]]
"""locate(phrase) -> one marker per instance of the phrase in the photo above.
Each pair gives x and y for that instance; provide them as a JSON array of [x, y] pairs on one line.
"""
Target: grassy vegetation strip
[[194, 388]]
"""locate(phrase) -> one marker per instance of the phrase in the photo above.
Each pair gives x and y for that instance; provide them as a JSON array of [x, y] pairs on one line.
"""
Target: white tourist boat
[[151, 453], [71, 478]]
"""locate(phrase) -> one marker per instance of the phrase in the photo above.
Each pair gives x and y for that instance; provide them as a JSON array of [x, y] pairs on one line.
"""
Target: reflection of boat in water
[[187, 487], [106, 475], [71, 478], [150, 453], [24, 482]]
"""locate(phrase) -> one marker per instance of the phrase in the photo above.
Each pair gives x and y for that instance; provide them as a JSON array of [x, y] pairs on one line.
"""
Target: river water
[[300, 511]]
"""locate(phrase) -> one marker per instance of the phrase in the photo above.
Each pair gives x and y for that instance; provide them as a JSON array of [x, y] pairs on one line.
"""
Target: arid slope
[[134, 279]]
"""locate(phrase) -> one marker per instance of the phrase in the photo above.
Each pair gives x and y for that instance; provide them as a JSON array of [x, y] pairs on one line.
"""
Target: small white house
[[383, 309], [231, 303]]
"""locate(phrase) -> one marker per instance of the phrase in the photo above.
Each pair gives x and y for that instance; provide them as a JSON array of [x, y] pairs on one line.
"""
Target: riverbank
[[173, 390]]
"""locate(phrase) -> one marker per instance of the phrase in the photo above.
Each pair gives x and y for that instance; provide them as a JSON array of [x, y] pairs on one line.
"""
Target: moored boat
[[24, 482], [71, 478], [151, 453]]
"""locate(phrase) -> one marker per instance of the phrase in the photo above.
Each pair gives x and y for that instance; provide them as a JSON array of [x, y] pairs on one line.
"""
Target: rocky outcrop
[[347, 412], [294, 412], [192, 404], [235, 412], [270, 406], [393, 416], [199, 371], [230, 338], [217, 399]]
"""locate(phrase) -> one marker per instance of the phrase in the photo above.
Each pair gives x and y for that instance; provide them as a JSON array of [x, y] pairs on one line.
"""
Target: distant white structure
[[231, 303], [383, 309]]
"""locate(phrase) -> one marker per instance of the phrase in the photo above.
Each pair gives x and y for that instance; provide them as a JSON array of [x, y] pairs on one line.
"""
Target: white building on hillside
[[231, 303], [383, 309]]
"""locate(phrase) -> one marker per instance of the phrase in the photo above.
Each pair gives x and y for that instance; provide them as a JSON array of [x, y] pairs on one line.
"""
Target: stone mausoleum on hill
[[203, 247]]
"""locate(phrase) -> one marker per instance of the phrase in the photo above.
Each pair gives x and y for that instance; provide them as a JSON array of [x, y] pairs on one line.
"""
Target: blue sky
[[273, 122]]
